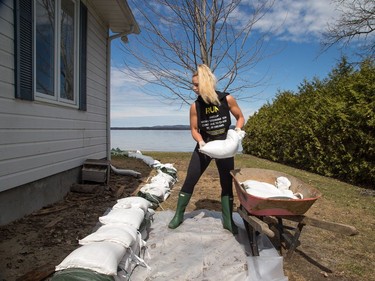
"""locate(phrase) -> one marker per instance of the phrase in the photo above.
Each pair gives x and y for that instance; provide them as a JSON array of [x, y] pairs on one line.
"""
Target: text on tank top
[[213, 120]]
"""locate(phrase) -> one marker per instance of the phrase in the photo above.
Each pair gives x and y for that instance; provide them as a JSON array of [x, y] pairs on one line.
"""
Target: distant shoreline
[[166, 127], [161, 128]]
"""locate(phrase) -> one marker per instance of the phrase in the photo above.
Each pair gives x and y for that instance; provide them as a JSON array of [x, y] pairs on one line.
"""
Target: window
[[45, 46], [55, 69]]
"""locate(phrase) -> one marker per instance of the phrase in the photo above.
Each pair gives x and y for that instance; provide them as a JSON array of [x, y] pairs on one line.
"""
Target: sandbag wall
[[114, 249], [159, 187]]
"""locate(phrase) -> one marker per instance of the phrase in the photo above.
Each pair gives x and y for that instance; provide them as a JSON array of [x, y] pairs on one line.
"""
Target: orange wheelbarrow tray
[[260, 206]]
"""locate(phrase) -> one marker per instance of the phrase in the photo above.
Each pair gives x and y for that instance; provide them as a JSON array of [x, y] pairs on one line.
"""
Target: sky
[[300, 24]]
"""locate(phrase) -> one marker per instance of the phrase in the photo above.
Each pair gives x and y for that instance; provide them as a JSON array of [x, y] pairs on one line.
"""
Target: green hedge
[[328, 127]]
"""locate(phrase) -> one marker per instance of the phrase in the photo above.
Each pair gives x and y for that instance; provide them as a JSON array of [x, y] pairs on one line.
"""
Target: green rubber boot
[[183, 200], [227, 210]]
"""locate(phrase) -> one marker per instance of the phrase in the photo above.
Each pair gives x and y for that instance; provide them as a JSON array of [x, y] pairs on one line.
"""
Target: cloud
[[130, 106], [295, 20], [122, 76]]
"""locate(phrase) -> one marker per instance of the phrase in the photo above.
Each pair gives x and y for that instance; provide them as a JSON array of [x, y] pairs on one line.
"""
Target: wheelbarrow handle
[[256, 223], [327, 225]]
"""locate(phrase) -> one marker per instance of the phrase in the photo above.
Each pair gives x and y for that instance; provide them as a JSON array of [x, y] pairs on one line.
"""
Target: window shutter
[[23, 46], [83, 58]]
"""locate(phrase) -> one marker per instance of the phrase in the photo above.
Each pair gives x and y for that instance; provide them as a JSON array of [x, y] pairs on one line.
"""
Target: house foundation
[[23, 200]]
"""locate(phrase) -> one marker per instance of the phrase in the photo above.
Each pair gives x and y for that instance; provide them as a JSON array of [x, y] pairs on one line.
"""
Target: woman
[[209, 120]]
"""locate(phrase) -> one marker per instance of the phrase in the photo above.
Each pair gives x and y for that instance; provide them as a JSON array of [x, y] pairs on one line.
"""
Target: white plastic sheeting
[[268, 266], [200, 249]]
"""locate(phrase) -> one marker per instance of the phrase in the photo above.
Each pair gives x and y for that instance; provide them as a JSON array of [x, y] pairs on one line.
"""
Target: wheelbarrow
[[267, 215]]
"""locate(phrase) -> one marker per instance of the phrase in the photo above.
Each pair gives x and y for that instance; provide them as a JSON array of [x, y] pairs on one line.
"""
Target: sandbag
[[132, 216], [159, 191], [167, 169], [162, 177], [101, 257], [261, 189], [133, 202], [266, 190], [80, 274], [283, 183], [123, 234], [130, 260], [220, 149]]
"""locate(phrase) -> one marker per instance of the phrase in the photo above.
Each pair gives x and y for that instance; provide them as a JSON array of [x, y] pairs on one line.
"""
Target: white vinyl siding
[[38, 139], [6, 47]]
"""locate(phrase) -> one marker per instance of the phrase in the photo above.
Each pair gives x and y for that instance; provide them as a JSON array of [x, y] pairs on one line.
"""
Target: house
[[54, 95]]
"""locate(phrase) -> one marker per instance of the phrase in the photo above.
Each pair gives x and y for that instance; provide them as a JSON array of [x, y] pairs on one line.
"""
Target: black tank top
[[213, 121]]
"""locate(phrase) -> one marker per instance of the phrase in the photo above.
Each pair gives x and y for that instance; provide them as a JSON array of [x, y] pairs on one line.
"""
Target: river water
[[153, 140]]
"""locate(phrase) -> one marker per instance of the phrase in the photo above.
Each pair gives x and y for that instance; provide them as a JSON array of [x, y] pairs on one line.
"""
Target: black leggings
[[199, 163]]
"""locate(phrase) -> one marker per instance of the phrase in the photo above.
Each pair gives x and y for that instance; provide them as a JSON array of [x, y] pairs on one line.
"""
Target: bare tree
[[179, 35], [356, 21]]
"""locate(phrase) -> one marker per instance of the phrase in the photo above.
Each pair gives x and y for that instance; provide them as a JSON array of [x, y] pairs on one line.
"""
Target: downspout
[[124, 38]]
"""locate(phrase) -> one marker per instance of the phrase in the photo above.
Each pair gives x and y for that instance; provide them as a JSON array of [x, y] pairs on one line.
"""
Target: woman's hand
[[201, 144]]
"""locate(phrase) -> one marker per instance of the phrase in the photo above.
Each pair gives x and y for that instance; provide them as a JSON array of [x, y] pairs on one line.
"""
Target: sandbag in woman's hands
[[220, 149], [201, 144], [241, 134]]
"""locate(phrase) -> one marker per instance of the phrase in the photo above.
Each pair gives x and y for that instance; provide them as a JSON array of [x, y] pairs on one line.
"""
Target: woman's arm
[[236, 111], [194, 124]]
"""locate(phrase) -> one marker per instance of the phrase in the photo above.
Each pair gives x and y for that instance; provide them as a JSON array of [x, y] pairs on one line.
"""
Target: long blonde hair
[[207, 84]]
